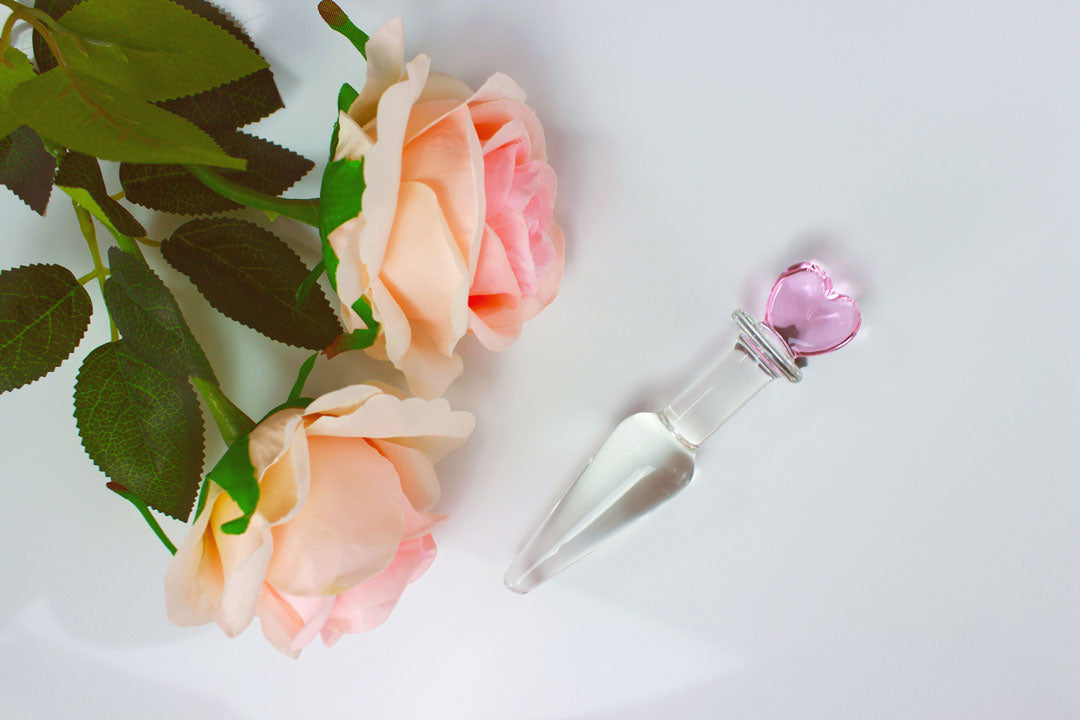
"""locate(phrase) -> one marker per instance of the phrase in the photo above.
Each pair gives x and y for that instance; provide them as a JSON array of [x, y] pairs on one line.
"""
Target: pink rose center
[[520, 193]]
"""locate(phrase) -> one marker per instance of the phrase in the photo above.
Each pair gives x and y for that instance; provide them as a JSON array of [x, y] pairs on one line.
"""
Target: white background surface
[[896, 537]]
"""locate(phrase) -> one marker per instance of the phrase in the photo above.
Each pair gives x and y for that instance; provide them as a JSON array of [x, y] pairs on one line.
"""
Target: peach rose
[[456, 233], [340, 527]]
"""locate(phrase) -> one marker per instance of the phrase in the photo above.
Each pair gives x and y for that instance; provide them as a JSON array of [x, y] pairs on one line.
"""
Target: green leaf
[[367, 336], [142, 426], [251, 276], [80, 177], [342, 189], [271, 169], [95, 118], [236, 476], [339, 202], [153, 49], [233, 104], [357, 339], [14, 70], [44, 313], [209, 11], [27, 168], [346, 95], [55, 8], [150, 320]]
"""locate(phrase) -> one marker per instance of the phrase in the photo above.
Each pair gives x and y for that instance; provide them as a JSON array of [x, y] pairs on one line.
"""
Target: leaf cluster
[[164, 87]]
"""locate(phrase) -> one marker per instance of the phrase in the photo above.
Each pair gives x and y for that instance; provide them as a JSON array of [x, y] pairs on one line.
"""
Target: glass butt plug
[[649, 457]]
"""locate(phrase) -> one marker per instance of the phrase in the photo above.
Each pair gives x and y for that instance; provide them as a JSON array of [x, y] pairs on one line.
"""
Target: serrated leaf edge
[[202, 443], [241, 322], [237, 206], [56, 168], [249, 44], [78, 340], [32, 208]]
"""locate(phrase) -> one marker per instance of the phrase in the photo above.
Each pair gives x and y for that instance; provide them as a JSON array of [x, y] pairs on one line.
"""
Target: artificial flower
[[456, 233], [341, 526]]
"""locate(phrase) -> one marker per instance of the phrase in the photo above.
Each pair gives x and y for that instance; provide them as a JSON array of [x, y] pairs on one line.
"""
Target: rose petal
[[512, 132], [441, 86], [499, 166], [290, 622], [193, 580], [385, 51], [538, 209], [499, 87], [549, 284], [496, 320], [353, 143], [278, 452], [438, 428], [424, 270], [526, 183], [244, 559], [349, 526], [514, 236], [447, 159], [491, 115], [350, 276], [494, 275], [396, 336], [415, 470], [370, 603], [342, 401], [316, 611], [428, 371], [382, 164], [419, 523], [361, 242], [427, 557]]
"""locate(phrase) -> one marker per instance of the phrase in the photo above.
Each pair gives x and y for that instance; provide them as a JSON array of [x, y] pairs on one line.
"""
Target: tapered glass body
[[649, 457]]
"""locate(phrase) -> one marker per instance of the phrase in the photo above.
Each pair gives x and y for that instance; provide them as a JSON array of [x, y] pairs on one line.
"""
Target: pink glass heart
[[805, 310]]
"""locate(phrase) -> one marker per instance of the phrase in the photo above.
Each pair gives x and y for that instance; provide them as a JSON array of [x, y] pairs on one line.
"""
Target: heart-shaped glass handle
[[809, 315]]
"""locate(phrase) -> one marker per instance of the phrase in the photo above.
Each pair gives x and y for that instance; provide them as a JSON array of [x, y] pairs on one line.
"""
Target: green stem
[[304, 290], [90, 276], [305, 211], [19, 9], [86, 224], [336, 18], [144, 511], [231, 420], [301, 378], [5, 35]]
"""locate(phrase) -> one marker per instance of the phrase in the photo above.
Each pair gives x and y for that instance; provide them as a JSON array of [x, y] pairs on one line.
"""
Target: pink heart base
[[804, 309]]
